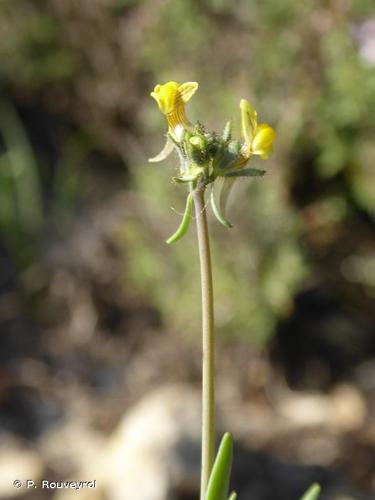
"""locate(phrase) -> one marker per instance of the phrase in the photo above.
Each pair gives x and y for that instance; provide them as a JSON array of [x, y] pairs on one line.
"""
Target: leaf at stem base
[[312, 493], [218, 485]]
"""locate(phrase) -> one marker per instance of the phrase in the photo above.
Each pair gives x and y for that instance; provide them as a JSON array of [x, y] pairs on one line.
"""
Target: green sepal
[[246, 172], [184, 226], [233, 496], [234, 147], [215, 149], [312, 493], [227, 132], [218, 484], [183, 180]]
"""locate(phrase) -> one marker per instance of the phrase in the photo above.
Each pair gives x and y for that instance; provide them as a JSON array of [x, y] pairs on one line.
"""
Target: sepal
[[234, 147], [227, 132]]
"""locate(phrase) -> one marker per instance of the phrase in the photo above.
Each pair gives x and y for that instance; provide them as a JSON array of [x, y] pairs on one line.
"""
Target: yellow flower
[[171, 98], [258, 138]]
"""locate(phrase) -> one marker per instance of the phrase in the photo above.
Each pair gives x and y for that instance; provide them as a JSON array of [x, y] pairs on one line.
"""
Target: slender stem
[[208, 342]]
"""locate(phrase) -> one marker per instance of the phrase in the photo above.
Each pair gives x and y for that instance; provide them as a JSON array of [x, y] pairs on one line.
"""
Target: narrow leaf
[[183, 180], [246, 172], [218, 485], [312, 493], [233, 496], [219, 201], [184, 226]]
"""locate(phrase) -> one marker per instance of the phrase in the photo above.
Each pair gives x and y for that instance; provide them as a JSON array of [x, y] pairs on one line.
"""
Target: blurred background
[[100, 320]]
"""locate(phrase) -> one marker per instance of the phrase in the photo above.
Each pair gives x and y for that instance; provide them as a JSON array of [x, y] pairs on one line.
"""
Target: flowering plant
[[208, 159]]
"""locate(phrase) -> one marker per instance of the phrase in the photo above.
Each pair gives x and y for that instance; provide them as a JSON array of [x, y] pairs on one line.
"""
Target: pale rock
[[344, 409], [154, 451], [17, 463], [347, 409]]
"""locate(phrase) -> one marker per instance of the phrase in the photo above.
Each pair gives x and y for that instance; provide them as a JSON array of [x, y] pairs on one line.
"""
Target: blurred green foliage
[[301, 65], [20, 197]]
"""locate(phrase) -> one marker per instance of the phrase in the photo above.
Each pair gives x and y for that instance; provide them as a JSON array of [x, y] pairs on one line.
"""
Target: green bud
[[198, 129], [195, 154], [215, 147], [198, 141]]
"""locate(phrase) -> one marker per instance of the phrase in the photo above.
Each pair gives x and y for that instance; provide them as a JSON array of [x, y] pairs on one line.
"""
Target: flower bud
[[198, 141]]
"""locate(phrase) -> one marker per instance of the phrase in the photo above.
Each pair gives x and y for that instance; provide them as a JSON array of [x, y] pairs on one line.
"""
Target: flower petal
[[263, 140], [171, 98], [166, 151], [248, 122], [167, 96], [187, 90]]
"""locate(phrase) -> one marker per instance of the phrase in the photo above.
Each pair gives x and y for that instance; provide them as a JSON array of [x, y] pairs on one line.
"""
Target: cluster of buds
[[206, 157]]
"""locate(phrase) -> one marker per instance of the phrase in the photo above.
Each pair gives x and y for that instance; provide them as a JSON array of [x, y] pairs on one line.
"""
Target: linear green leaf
[[312, 493], [246, 172], [218, 485], [233, 496], [184, 226], [183, 180], [218, 207]]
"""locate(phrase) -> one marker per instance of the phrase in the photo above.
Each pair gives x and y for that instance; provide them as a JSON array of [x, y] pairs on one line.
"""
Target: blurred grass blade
[[233, 496], [312, 493], [218, 485], [184, 226], [22, 168]]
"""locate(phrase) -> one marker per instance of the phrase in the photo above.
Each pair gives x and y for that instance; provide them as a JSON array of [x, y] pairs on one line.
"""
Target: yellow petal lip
[[167, 96], [258, 139], [171, 98], [263, 140], [172, 95], [187, 90]]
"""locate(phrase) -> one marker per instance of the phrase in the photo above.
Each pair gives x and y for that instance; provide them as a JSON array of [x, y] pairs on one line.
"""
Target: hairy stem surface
[[208, 342]]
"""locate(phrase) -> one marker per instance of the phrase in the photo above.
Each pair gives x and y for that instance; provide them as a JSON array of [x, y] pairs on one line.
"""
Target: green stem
[[208, 342]]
